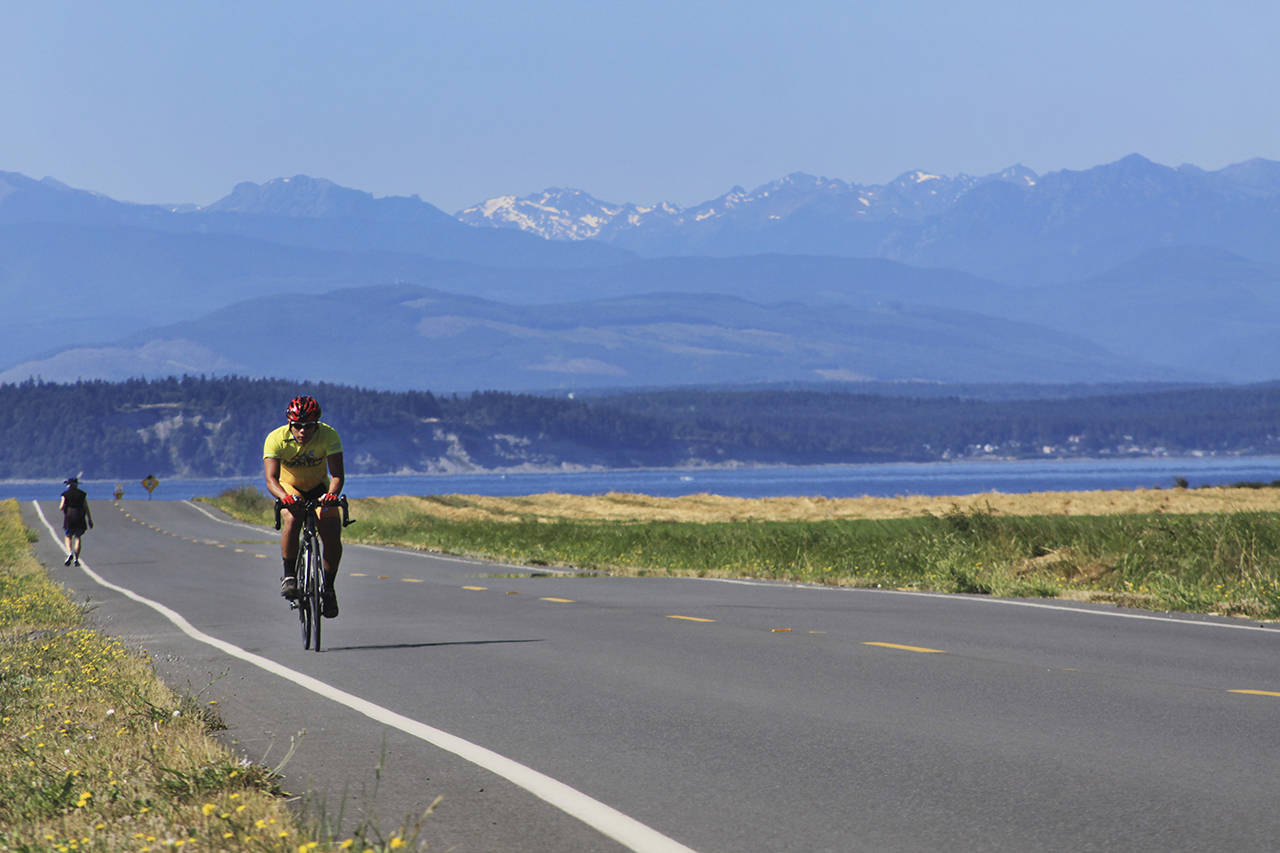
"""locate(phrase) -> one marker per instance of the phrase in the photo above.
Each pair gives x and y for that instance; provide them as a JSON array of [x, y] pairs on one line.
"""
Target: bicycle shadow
[[382, 646]]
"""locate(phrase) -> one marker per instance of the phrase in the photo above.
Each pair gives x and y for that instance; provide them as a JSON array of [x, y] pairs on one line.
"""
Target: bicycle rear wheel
[[303, 602]]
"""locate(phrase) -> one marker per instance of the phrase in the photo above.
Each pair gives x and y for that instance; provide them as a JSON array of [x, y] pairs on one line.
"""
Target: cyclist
[[303, 459]]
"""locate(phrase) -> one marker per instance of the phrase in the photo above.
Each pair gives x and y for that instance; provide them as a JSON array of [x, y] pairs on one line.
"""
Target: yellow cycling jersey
[[302, 466]]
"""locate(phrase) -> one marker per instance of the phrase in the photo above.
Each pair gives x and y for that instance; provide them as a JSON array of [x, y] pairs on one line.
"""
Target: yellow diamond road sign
[[150, 484]]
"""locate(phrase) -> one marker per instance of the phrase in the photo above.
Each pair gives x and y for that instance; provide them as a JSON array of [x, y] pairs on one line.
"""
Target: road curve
[[566, 713]]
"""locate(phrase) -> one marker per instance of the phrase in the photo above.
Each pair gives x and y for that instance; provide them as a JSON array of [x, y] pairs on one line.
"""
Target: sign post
[[119, 492], [150, 484]]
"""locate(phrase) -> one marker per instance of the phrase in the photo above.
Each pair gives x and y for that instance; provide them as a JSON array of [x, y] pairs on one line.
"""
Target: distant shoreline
[[568, 468], [756, 481]]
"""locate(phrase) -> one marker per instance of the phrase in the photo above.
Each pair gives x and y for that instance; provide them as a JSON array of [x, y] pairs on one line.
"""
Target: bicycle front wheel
[[303, 602], [315, 595]]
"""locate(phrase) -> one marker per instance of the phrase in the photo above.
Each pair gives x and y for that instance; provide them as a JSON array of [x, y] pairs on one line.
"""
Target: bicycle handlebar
[[309, 504]]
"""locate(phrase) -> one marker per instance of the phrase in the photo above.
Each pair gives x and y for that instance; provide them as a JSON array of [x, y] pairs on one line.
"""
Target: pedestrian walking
[[76, 518]]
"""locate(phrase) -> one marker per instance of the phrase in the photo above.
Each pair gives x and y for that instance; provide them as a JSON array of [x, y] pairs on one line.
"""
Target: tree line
[[209, 427]]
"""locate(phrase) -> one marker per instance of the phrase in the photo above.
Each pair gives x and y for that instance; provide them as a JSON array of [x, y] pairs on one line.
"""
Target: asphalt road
[[587, 714]]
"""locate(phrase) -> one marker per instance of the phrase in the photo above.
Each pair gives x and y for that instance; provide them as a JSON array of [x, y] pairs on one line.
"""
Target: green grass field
[[1209, 562]]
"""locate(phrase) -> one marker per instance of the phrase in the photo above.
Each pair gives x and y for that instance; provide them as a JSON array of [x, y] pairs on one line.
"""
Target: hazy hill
[[401, 337], [66, 283], [1188, 308], [1189, 315]]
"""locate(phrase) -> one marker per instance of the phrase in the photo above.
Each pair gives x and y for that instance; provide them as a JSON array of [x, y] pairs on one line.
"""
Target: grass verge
[[97, 754], [1211, 551]]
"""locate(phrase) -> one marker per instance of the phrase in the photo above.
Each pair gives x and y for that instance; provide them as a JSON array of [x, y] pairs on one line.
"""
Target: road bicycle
[[309, 570]]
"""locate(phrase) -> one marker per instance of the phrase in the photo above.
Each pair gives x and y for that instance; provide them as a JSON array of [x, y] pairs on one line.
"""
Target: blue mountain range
[[1129, 271]]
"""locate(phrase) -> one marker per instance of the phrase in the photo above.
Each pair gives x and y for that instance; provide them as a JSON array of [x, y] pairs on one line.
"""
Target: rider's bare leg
[[290, 528], [330, 527]]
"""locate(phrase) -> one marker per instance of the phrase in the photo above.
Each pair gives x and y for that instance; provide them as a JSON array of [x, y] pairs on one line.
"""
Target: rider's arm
[[271, 468], [337, 474]]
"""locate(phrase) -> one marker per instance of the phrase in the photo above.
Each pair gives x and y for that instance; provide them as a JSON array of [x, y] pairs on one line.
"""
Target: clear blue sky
[[644, 101]]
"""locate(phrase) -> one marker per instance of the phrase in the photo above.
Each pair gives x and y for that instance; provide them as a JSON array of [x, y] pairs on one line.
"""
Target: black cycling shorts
[[314, 493]]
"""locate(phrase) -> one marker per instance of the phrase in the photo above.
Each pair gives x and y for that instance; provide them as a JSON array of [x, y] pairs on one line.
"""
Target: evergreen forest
[[214, 427]]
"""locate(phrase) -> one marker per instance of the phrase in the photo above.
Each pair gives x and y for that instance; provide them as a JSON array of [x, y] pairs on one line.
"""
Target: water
[[834, 481]]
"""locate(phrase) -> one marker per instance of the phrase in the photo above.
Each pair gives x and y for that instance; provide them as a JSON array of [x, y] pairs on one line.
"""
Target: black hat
[[70, 481]]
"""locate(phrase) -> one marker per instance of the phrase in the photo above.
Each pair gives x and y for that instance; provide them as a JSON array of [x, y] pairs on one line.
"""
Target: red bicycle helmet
[[303, 409]]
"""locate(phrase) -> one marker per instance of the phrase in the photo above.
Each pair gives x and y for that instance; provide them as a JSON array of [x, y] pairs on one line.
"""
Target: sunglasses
[[305, 425]]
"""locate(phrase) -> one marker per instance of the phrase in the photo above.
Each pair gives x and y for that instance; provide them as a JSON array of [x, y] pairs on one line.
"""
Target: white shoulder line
[[402, 551], [213, 517], [1251, 625], [627, 831]]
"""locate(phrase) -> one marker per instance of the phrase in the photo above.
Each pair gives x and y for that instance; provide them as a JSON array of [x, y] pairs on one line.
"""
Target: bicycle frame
[[309, 571]]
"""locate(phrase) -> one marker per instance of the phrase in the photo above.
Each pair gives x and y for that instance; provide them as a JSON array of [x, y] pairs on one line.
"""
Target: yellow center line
[[410, 580], [476, 588], [920, 649], [691, 618], [560, 600], [1256, 692], [359, 575]]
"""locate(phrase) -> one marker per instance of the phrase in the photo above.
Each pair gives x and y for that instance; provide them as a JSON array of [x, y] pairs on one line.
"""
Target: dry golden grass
[[617, 507]]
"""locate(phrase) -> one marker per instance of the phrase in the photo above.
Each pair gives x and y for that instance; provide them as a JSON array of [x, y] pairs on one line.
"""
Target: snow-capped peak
[[569, 214], [558, 213]]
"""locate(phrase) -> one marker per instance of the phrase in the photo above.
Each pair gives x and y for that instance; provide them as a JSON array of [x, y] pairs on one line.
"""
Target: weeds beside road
[[1203, 550], [96, 754]]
